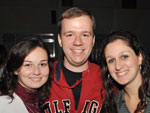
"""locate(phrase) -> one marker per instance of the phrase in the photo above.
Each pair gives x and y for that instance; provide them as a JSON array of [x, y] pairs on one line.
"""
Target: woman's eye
[[124, 56], [27, 65], [43, 64], [110, 61]]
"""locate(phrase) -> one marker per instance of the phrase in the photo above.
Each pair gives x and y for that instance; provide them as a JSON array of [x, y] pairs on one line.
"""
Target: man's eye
[[85, 35], [69, 35]]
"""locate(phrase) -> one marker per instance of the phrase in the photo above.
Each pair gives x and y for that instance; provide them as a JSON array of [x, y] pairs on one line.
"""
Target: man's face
[[77, 40]]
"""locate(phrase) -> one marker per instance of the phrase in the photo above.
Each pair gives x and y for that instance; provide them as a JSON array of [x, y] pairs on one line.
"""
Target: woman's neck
[[29, 97], [131, 93]]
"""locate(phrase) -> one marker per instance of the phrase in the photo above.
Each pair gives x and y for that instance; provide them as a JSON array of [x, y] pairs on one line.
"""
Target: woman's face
[[122, 62], [34, 71]]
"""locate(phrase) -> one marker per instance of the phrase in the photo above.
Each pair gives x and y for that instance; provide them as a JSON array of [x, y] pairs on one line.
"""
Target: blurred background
[[19, 18]]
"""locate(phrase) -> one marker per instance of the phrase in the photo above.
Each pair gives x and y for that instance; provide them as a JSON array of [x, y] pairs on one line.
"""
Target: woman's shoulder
[[5, 99], [119, 96], [7, 105]]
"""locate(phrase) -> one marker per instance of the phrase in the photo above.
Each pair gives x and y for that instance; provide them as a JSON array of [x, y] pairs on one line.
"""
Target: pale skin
[[77, 40], [123, 65], [34, 71]]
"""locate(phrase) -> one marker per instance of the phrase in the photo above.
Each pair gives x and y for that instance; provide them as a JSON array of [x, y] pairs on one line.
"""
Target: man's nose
[[78, 40]]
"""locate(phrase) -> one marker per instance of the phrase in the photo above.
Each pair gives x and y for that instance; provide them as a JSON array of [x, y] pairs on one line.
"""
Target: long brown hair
[[15, 60], [109, 105]]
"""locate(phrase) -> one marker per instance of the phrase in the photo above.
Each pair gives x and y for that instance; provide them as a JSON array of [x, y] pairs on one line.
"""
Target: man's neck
[[76, 68]]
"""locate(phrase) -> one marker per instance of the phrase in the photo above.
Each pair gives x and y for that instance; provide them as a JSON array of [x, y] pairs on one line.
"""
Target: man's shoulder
[[94, 66]]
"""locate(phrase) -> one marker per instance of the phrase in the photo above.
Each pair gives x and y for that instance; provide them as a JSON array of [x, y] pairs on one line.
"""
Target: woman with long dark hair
[[125, 65], [3, 58], [25, 82]]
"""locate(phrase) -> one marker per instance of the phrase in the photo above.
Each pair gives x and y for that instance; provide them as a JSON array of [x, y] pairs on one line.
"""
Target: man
[[76, 83]]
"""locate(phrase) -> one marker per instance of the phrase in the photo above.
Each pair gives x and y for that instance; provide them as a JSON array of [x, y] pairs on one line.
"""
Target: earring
[[140, 67], [108, 75]]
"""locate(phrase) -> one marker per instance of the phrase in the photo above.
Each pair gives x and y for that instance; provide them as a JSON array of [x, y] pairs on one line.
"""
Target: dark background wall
[[40, 17]]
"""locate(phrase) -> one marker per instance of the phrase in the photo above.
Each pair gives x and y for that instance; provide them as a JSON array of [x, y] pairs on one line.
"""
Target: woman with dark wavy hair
[[3, 58], [25, 82], [127, 66]]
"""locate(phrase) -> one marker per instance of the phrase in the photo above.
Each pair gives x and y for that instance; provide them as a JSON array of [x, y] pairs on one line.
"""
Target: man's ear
[[59, 40], [93, 40]]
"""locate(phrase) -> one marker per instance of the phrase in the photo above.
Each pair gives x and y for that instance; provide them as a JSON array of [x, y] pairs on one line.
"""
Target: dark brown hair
[[15, 60], [109, 105]]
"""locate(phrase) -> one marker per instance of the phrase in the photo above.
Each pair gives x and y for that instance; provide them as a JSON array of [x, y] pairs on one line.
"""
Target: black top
[[71, 78]]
